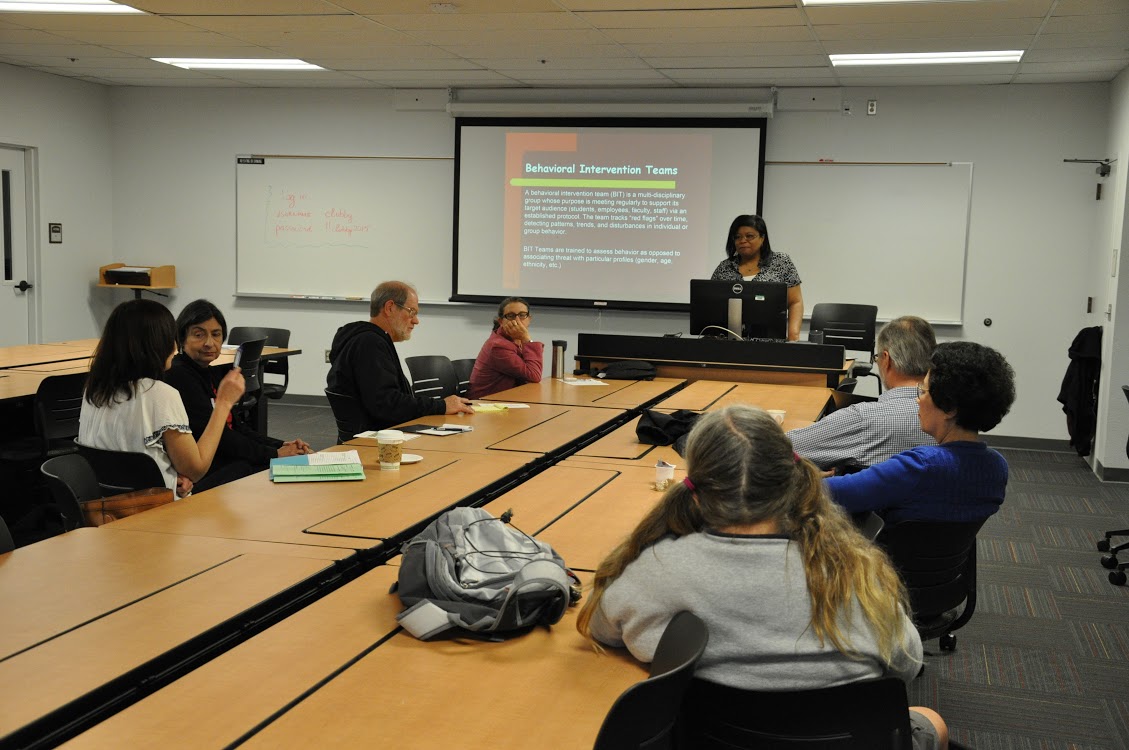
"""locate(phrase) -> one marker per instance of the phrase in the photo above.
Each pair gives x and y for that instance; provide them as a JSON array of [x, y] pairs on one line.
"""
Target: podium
[[780, 362]]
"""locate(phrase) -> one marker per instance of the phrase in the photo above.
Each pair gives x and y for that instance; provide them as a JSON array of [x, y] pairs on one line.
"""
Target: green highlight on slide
[[610, 184]]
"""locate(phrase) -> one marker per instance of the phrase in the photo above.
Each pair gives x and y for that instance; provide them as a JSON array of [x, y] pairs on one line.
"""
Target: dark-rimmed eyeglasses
[[411, 311], [518, 316]]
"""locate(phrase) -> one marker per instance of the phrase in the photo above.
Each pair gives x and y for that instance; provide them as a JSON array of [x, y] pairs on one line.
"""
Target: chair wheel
[[1109, 561], [948, 641], [1103, 545], [1117, 577]]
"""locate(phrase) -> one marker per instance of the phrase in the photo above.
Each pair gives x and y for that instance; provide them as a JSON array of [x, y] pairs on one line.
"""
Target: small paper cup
[[390, 443]]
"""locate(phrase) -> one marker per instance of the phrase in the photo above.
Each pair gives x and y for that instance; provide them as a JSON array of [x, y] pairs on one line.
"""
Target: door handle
[[23, 286]]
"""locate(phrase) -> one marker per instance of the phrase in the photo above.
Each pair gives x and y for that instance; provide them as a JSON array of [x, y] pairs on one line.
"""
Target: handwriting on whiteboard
[[299, 218]]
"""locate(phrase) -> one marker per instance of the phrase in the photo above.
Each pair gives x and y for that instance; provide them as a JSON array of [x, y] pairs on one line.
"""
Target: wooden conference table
[[339, 672], [357, 515], [615, 394], [537, 428], [86, 610], [23, 355], [368, 683], [802, 404], [19, 381]]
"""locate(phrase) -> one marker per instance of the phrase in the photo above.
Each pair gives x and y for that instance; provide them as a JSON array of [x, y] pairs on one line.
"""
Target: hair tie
[[795, 457], [689, 485]]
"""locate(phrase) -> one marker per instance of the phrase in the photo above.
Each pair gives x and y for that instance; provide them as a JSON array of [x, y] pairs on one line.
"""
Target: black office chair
[[1110, 561], [349, 415], [937, 562], [463, 369], [432, 376], [252, 408], [72, 482], [122, 471], [279, 337], [7, 544], [866, 715], [851, 326], [58, 401], [644, 715]]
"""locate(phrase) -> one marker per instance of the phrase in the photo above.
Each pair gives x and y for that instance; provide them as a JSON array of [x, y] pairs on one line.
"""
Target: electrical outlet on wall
[[872, 106]]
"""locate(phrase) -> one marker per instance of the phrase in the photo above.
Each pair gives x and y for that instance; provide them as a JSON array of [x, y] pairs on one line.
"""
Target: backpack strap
[[425, 620]]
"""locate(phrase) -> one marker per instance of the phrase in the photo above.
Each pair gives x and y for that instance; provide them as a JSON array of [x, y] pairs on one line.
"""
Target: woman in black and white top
[[749, 256]]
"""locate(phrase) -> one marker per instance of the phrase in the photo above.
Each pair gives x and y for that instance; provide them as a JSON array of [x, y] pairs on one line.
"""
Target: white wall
[[1034, 241], [1036, 246], [68, 121], [1113, 421]]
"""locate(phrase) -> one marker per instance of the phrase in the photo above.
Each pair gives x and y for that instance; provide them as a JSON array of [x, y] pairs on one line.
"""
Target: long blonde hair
[[743, 471]]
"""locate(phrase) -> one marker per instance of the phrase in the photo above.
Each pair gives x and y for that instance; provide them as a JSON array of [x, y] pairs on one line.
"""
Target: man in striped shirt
[[867, 433]]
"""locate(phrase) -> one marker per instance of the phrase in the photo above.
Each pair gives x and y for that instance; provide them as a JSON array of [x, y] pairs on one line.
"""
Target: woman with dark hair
[[794, 596], [968, 390], [510, 357], [200, 332], [127, 407], [749, 256]]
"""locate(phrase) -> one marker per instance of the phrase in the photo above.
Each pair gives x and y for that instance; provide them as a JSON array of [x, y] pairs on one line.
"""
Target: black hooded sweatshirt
[[364, 365]]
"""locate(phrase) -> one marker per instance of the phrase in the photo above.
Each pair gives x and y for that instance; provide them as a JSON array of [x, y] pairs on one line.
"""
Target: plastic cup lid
[[388, 436]]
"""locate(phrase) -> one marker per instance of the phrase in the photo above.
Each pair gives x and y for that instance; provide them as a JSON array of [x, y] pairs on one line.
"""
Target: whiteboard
[[326, 227], [892, 235]]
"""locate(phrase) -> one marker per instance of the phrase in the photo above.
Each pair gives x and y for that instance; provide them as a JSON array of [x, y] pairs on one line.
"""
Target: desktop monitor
[[739, 309]]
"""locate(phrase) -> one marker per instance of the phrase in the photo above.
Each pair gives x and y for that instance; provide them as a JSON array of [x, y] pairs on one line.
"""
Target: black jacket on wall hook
[[1079, 392]]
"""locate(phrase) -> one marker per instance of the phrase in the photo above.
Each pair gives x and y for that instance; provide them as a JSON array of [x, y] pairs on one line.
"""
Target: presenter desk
[[795, 363], [616, 394], [90, 614]]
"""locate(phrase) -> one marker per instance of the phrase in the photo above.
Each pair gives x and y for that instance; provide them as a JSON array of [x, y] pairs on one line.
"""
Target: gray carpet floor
[[1044, 663]]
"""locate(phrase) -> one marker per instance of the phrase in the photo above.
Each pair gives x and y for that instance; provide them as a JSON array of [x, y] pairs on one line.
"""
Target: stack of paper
[[317, 467]]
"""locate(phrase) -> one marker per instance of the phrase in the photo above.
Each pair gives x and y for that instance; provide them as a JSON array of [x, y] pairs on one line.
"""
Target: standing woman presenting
[[749, 256]]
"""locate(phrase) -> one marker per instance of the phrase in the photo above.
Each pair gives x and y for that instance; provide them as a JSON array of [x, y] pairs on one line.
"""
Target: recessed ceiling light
[[73, 6], [231, 63], [928, 58]]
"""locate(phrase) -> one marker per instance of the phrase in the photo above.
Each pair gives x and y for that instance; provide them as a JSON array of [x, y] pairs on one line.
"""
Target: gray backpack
[[469, 573]]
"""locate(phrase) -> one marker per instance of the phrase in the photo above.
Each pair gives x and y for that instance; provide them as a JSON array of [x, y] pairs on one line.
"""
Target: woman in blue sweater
[[968, 390]]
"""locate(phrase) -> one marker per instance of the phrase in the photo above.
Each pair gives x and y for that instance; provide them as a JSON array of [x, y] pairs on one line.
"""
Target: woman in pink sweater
[[509, 357]]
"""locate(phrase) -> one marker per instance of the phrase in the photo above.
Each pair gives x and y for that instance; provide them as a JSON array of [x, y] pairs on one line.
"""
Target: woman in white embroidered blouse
[[127, 407]]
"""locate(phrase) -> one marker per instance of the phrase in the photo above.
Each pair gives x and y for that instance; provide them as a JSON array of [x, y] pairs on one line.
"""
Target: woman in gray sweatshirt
[[794, 596]]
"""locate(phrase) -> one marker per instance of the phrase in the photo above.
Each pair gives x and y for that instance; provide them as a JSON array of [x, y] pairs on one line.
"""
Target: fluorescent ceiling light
[[875, 2], [928, 58], [231, 63], [74, 6]]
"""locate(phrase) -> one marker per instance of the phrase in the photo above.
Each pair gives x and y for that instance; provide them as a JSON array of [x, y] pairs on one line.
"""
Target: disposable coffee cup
[[778, 415], [664, 475], [391, 444]]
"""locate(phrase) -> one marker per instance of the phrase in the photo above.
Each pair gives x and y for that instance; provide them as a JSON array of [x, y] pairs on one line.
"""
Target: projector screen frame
[[752, 123]]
